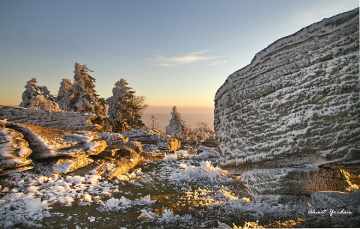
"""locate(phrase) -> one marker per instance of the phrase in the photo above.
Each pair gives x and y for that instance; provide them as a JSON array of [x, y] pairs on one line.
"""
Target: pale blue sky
[[171, 52]]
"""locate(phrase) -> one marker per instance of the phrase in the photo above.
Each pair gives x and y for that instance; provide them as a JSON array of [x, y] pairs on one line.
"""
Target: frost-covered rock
[[147, 138], [284, 185], [336, 200], [297, 103], [64, 166], [55, 119], [14, 149], [51, 142]]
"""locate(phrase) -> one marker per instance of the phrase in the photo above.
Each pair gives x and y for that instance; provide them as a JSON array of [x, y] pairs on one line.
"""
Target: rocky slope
[[297, 103]]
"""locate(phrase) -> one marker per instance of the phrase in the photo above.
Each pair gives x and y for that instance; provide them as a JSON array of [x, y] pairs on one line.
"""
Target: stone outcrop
[[14, 150], [49, 142], [153, 141], [63, 151], [297, 103], [55, 119], [294, 109]]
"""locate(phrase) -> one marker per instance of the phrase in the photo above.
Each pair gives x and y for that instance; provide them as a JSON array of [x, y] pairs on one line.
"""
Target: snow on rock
[[153, 140], [297, 103], [46, 118], [64, 166], [49, 142], [206, 153], [14, 149]]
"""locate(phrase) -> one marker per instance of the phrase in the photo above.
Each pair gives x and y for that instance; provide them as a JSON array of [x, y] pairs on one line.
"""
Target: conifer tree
[[125, 108], [177, 127], [63, 98], [82, 95], [38, 97], [154, 123]]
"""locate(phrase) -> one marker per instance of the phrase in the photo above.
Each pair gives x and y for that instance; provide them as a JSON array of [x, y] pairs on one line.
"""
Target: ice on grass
[[203, 172]]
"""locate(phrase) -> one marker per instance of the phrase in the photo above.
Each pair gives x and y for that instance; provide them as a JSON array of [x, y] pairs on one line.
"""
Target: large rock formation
[[297, 103], [54, 119], [294, 109]]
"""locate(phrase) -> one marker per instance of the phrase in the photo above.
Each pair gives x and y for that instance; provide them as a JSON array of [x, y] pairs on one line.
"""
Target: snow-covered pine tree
[[63, 98], [39, 102], [125, 108], [82, 95], [177, 127], [38, 97], [154, 123]]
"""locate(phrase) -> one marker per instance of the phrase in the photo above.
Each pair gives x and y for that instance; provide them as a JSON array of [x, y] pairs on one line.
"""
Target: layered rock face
[[297, 103], [54, 119], [293, 110]]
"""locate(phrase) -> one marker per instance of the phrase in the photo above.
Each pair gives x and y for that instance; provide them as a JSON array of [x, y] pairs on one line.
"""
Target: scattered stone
[[64, 166]]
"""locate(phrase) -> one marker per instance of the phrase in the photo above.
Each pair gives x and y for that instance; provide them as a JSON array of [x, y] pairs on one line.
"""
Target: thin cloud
[[180, 60], [220, 62]]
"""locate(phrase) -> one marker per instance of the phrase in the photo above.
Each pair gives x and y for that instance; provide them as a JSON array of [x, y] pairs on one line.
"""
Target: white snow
[[204, 172]]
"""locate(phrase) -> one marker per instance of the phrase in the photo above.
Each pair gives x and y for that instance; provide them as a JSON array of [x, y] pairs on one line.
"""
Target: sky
[[175, 53]]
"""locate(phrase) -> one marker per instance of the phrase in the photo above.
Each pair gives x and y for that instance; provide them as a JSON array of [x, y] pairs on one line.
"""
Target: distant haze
[[191, 115]]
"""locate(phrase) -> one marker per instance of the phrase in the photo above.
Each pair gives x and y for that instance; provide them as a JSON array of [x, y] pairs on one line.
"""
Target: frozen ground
[[180, 190]]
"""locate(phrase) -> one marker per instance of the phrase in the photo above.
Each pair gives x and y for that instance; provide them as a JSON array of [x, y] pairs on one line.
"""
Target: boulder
[[294, 109], [14, 149], [153, 141], [297, 103], [67, 165]]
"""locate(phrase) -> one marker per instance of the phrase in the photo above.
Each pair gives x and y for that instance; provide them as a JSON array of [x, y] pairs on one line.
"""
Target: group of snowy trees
[[119, 113], [178, 128]]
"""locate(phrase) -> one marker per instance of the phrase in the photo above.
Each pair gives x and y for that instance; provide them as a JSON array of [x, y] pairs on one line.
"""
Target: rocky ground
[[184, 189]]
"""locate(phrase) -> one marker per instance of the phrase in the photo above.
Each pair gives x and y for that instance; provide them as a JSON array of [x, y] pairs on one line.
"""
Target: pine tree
[[125, 108], [63, 98], [38, 97], [177, 127], [154, 123], [82, 95]]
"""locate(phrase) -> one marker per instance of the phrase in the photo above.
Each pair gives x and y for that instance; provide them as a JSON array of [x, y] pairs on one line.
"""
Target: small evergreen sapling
[[177, 127]]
